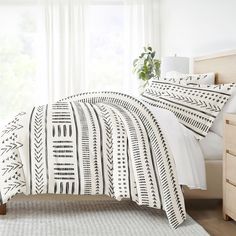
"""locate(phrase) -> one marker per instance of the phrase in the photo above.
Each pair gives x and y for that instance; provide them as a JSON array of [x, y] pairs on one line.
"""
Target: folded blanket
[[91, 143]]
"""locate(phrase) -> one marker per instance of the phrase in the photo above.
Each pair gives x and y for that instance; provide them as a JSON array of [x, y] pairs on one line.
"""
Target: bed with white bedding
[[98, 143], [102, 143], [114, 144]]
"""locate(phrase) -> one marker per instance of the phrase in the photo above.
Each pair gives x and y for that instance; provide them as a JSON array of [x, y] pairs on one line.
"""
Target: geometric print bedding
[[208, 78], [196, 106], [92, 143]]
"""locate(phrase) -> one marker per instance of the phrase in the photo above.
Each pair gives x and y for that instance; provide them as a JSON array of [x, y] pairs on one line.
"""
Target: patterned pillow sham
[[195, 106], [158, 86], [207, 78]]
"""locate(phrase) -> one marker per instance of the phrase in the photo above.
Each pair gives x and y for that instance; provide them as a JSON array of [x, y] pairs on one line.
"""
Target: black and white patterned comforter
[[92, 143]]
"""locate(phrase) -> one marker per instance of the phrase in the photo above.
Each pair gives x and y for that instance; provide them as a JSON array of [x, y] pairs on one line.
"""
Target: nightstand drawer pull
[[230, 153], [230, 122], [228, 181]]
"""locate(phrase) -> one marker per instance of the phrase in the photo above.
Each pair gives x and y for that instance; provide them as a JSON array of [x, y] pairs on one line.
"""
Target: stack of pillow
[[196, 101]]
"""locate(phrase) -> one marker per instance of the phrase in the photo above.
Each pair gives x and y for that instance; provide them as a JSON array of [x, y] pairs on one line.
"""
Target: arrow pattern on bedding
[[195, 105], [92, 143], [38, 150]]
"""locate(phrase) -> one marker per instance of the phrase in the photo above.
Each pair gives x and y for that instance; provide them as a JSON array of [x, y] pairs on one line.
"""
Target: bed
[[114, 144], [97, 143], [223, 64]]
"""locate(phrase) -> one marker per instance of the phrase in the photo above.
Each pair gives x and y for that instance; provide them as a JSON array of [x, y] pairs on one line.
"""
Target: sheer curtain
[[22, 60], [65, 33], [141, 29], [56, 48], [91, 44]]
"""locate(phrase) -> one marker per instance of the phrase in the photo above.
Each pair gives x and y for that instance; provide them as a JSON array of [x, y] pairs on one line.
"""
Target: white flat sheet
[[212, 146], [185, 148]]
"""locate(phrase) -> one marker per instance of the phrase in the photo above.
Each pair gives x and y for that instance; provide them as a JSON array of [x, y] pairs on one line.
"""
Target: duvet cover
[[92, 143]]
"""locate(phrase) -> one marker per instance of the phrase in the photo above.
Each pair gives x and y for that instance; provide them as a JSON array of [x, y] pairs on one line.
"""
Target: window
[[21, 80], [104, 47], [58, 48]]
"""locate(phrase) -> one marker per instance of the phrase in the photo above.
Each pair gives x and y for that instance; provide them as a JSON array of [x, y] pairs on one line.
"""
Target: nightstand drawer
[[231, 168], [230, 134], [230, 196]]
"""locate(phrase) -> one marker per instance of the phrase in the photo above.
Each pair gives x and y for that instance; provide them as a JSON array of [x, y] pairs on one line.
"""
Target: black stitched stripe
[[46, 145], [84, 140], [101, 147], [155, 172], [77, 148], [127, 143], [30, 127], [94, 162]]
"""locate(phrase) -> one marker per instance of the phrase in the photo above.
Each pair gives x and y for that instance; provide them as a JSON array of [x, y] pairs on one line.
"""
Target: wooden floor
[[208, 214]]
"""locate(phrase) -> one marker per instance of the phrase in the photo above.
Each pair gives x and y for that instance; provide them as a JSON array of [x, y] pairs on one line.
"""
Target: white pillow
[[208, 78], [229, 107]]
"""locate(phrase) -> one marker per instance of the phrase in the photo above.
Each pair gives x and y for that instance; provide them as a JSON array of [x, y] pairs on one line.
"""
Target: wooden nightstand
[[229, 167]]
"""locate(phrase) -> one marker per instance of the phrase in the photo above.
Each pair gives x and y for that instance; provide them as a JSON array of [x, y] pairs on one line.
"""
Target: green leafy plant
[[146, 66]]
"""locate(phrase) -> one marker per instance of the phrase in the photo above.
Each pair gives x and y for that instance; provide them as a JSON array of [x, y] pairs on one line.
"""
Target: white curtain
[[64, 23], [66, 35], [141, 29]]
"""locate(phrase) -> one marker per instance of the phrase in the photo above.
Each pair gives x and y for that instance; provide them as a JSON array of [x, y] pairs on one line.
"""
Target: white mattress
[[212, 146]]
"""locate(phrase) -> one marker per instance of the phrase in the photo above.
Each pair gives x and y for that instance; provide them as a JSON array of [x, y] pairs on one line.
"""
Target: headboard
[[222, 64]]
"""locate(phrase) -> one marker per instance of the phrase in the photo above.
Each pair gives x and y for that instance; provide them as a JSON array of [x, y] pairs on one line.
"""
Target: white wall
[[197, 27]]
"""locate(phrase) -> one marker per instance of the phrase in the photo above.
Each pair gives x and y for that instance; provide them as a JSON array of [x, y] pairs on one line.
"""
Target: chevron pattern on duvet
[[89, 144]]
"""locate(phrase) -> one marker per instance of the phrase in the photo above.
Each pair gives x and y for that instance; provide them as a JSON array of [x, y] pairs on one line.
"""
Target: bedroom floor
[[208, 214], [89, 217]]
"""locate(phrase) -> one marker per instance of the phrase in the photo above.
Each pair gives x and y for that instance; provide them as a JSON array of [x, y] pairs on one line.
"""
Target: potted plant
[[146, 66]]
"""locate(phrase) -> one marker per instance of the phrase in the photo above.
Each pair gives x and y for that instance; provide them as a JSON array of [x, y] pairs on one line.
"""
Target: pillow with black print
[[206, 78], [158, 86], [195, 106]]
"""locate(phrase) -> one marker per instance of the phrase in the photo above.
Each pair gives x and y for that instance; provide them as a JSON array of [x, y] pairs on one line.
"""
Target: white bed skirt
[[214, 179]]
